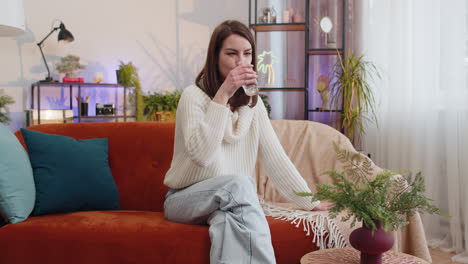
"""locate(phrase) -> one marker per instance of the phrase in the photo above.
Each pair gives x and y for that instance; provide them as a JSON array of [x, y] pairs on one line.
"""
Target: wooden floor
[[440, 257]]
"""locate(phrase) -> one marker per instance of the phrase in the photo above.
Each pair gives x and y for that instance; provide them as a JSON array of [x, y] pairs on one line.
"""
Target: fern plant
[[389, 198], [5, 100]]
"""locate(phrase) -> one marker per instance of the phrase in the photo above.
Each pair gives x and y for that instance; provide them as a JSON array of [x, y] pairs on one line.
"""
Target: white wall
[[165, 39]]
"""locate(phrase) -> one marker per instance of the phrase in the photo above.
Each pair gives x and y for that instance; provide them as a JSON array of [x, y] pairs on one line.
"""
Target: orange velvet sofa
[[139, 156]]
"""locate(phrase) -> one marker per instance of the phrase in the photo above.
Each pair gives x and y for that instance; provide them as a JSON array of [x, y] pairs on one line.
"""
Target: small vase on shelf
[[297, 17], [286, 17]]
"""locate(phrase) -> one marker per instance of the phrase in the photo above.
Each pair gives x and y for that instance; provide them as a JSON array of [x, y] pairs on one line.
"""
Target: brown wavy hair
[[209, 79]]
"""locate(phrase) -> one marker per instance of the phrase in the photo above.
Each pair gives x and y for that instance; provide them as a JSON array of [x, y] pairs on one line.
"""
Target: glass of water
[[250, 89]]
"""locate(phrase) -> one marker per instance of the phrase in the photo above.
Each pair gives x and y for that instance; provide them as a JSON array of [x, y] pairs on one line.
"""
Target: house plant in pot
[[127, 75], [266, 102], [161, 106], [5, 100], [70, 65], [352, 78], [382, 202]]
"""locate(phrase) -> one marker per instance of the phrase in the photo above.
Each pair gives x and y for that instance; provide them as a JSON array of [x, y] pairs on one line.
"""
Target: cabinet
[[53, 96], [296, 54]]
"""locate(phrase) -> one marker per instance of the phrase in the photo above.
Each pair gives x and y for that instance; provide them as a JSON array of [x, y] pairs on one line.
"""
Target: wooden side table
[[351, 256]]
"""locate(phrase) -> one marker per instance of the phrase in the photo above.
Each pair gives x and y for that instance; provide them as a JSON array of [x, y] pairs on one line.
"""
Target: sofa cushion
[[127, 237], [70, 175], [17, 192], [140, 153]]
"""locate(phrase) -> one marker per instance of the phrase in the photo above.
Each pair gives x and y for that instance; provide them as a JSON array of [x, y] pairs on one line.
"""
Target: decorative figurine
[[323, 87], [98, 77], [269, 16]]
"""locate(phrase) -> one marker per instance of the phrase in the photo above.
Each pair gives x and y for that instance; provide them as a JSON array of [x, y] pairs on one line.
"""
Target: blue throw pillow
[[17, 191], [70, 175]]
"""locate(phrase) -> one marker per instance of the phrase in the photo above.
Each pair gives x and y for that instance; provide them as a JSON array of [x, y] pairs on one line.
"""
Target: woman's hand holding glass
[[242, 75], [250, 89]]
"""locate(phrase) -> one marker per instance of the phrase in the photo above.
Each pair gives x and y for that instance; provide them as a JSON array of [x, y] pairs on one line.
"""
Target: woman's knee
[[238, 189]]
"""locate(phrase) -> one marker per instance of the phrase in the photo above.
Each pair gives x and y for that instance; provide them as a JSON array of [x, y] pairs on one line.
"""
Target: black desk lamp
[[64, 35]]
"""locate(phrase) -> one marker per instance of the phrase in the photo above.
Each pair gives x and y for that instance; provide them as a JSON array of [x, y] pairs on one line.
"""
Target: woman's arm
[[203, 123], [279, 167]]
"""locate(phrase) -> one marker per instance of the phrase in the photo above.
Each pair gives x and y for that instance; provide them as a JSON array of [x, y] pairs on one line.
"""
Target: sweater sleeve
[[278, 166], [203, 123]]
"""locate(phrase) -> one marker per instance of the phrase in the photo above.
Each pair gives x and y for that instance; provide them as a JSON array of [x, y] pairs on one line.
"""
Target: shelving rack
[[36, 88], [308, 52]]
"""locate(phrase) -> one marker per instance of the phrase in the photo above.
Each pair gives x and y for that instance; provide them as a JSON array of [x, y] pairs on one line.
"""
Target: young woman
[[220, 132]]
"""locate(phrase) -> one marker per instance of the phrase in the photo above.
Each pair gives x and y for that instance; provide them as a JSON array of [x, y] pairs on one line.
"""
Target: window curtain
[[422, 97]]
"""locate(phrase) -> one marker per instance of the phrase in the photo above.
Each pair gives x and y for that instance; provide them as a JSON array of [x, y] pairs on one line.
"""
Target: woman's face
[[236, 50]]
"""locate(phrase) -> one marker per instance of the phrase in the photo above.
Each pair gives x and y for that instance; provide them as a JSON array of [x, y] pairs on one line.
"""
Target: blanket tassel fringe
[[326, 233]]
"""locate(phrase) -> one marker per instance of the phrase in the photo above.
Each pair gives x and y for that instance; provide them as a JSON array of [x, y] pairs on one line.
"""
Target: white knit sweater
[[212, 141]]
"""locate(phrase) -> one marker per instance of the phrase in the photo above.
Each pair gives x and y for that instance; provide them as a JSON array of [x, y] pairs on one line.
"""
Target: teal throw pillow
[[17, 191], [70, 175]]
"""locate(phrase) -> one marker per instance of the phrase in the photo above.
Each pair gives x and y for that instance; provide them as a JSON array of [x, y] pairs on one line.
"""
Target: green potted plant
[[382, 202], [127, 75], [69, 65], [266, 102], [352, 77], [5, 100], [161, 106]]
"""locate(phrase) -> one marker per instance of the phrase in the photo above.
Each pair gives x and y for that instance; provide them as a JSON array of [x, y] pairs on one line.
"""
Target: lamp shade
[[11, 18], [64, 34]]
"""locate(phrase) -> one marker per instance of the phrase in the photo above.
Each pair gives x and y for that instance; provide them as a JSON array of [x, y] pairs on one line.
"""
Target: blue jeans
[[238, 229]]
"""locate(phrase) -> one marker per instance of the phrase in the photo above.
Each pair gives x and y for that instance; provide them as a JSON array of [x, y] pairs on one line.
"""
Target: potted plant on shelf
[[127, 75], [70, 65], [352, 77], [5, 100], [161, 106], [266, 102], [382, 203]]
